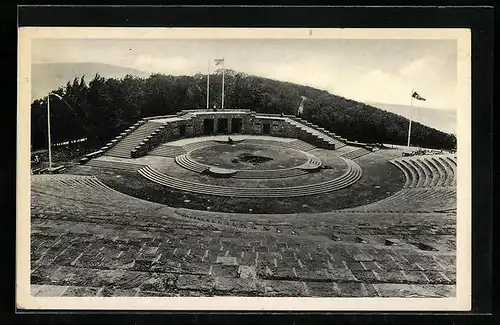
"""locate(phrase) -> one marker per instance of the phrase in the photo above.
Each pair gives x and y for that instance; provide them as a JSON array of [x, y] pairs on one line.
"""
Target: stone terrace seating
[[199, 144], [186, 162], [428, 171], [295, 144], [168, 151], [114, 164], [356, 153], [430, 186], [299, 145], [123, 147], [87, 189], [352, 175], [268, 174]]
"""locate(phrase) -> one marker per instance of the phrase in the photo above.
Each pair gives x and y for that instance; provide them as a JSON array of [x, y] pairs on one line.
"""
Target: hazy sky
[[365, 70]]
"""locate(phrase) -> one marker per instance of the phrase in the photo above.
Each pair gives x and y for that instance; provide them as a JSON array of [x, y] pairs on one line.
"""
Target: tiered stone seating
[[186, 162], [168, 151], [430, 186], [356, 153], [269, 174], [428, 171], [299, 145], [197, 145], [114, 164], [124, 146], [89, 190], [352, 175]]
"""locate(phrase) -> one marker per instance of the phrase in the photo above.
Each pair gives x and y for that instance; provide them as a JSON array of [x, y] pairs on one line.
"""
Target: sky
[[374, 70]]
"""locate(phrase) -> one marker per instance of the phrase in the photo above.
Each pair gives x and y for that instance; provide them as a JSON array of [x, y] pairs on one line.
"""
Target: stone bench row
[[356, 153], [352, 175], [427, 171], [413, 200]]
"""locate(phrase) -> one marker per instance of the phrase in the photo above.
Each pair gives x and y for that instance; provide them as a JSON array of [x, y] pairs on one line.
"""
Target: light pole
[[48, 127]]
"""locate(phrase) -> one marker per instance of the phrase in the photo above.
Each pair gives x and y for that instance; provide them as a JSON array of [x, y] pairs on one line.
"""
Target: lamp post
[[48, 127]]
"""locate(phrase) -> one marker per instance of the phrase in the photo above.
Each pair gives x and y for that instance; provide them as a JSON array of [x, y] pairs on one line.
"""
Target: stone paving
[[88, 242]]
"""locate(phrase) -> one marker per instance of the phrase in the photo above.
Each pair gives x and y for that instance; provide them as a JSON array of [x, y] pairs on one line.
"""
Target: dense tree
[[105, 107]]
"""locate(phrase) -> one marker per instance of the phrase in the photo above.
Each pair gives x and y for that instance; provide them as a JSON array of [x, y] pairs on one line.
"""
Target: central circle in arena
[[249, 156], [246, 157]]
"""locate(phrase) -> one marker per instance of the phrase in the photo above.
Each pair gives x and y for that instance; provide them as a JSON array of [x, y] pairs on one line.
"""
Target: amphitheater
[[239, 203]]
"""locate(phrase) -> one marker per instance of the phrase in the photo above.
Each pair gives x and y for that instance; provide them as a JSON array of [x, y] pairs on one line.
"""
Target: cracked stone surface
[[80, 248]]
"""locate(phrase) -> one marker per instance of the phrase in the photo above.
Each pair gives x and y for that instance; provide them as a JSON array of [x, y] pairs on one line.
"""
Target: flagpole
[[223, 83], [208, 84], [411, 111], [48, 132]]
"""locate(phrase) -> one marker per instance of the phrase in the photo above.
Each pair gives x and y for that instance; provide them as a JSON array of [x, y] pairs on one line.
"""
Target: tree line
[[105, 107]]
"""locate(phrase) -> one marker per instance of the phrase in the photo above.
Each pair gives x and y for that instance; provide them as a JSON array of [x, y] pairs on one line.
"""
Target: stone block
[[195, 282]]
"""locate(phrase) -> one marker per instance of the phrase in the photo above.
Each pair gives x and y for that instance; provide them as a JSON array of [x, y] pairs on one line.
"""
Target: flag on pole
[[218, 61], [417, 96]]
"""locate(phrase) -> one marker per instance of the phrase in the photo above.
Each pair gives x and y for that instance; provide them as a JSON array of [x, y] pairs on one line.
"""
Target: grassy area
[[380, 179]]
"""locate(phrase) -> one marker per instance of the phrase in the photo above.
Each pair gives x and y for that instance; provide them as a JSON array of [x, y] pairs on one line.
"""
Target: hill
[[441, 119], [49, 76], [104, 107]]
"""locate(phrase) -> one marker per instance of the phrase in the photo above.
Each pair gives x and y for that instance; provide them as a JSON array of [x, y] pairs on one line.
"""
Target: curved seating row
[[269, 174], [187, 163], [430, 186], [87, 189], [114, 164], [299, 145], [312, 163], [356, 153], [414, 200], [352, 175], [295, 144], [198, 144], [428, 171], [168, 151]]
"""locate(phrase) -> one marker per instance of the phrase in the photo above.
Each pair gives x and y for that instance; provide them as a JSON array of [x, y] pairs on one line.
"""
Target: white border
[[462, 301]]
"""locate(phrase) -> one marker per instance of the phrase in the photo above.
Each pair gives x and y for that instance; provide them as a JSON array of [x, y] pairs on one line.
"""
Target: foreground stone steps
[[89, 191], [352, 175], [414, 200]]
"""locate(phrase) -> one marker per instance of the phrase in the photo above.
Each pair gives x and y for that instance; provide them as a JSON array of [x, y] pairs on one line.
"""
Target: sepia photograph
[[244, 169]]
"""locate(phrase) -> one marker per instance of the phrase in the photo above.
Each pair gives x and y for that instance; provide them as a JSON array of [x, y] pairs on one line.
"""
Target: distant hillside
[[443, 120], [102, 107], [49, 76]]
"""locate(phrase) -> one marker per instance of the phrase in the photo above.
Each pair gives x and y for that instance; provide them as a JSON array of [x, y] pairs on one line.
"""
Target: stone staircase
[[316, 135], [123, 147]]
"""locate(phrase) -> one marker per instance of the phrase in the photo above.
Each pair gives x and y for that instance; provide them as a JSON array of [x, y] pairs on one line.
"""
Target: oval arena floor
[[262, 216]]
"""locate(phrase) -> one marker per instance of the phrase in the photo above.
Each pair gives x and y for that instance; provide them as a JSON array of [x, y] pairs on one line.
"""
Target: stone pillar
[[229, 124], [216, 126]]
